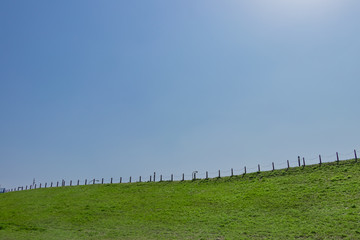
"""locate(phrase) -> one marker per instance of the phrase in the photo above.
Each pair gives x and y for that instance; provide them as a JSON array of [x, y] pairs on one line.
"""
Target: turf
[[314, 202]]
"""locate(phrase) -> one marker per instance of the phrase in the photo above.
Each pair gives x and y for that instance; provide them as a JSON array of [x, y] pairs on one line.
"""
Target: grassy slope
[[314, 202]]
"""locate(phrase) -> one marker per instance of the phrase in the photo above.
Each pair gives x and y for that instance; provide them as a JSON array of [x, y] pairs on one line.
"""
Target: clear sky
[[92, 89]]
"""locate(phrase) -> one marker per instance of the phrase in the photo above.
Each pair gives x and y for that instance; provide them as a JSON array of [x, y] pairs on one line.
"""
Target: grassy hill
[[302, 203]]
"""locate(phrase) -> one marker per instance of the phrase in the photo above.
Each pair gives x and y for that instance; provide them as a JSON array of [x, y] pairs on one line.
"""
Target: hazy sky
[[125, 88]]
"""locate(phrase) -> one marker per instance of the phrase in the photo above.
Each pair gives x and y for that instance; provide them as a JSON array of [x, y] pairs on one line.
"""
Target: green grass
[[301, 203]]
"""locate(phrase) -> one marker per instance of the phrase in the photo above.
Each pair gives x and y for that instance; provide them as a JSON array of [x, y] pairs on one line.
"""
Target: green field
[[302, 203]]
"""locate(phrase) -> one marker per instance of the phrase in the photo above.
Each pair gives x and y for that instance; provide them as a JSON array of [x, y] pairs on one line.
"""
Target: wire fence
[[195, 175]]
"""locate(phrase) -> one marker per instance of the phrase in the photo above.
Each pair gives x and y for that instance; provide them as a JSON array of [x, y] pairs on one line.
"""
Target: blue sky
[[92, 89]]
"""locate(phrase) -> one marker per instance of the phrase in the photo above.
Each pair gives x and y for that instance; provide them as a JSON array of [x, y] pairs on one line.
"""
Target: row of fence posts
[[153, 177]]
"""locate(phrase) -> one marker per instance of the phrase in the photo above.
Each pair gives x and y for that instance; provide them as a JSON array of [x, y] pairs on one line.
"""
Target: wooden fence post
[[337, 157], [299, 160], [139, 178], [111, 179], [355, 155], [288, 164], [35, 186], [219, 174], [57, 184], [120, 179], [78, 182], [70, 183], [183, 177], [94, 181], [45, 184], [172, 177], [207, 175], [273, 166], [303, 162], [160, 178], [258, 167], [244, 170], [154, 176], [319, 159], [232, 172], [102, 180], [51, 184], [85, 181]]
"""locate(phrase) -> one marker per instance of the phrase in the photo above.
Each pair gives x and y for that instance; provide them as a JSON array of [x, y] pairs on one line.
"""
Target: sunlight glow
[[298, 10]]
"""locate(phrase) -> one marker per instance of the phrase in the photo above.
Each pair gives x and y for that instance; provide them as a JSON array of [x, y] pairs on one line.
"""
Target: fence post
[[26, 187], [319, 159], [244, 170], [232, 172], [337, 157], [57, 184], [273, 166], [288, 164], [102, 180], [183, 177], [355, 155], [94, 181], [139, 178], [303, 162], [111, 180], [78, 182], [219, 174], [258, 167], [51, 184], [299, 160], [120, 179], [35, 186], [160, 178], [154, 176], [172, 177], [207, 175], [85, 181], [70, 183], [45, 184]]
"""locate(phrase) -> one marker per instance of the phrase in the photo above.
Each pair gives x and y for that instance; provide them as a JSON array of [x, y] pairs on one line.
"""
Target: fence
[[300, 161]]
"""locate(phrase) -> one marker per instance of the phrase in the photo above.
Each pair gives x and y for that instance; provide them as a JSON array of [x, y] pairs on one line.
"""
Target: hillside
[[312, 202]]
